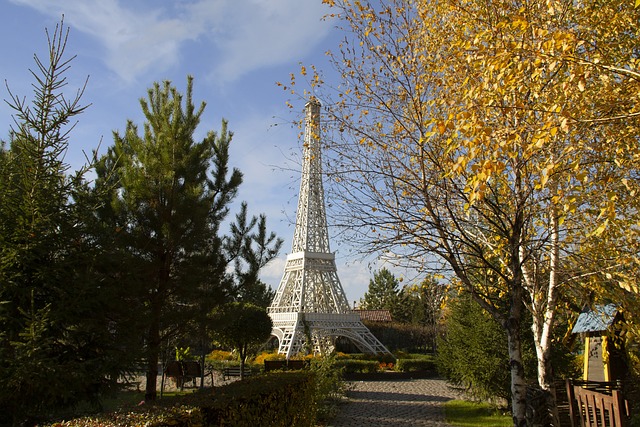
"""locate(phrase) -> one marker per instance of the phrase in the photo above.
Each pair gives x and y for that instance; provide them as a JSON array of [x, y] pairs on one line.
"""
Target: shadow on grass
[[123, 400]]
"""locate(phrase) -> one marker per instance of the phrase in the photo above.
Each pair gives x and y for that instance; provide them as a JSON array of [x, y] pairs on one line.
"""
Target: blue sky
[[236, 50]]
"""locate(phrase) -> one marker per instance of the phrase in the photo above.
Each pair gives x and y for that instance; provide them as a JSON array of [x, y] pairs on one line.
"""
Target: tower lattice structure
[[310, 309]]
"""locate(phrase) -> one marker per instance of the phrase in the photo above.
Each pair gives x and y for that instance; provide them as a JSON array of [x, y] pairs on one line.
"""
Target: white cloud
[[272, 273], [134, 41], [245, 35], [260, 33]]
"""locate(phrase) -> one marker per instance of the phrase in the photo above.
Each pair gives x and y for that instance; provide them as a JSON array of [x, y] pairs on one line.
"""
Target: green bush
[[404, 336], [473, 352], [278, 399], [405, 355], [329, 386], [413, 365], [381, 357], [355, 356], [362, 366]]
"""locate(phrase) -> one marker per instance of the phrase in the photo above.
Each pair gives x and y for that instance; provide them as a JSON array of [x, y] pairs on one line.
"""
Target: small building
[[604, 358]]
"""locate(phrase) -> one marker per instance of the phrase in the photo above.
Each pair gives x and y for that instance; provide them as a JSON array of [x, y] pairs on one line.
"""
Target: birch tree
[[489, 138]]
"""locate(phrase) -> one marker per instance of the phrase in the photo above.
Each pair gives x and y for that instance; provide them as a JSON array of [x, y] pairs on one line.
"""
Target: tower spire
[[310, 302], [311, 220]]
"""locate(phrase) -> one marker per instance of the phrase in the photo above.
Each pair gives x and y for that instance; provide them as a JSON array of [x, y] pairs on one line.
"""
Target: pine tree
[[250, 251], [383, 293], [169, 196], [471, 352], [56, 348]]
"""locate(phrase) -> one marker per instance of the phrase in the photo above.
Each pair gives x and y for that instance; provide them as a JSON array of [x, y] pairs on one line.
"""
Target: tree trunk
[[512, 326], [153, 352], [545, 373], [243, 356], [518, 382], [543, 308], [202, 364], [546, 383]]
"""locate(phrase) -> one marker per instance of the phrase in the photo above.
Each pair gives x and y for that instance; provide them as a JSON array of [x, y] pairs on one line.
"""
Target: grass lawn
[[460, 413]]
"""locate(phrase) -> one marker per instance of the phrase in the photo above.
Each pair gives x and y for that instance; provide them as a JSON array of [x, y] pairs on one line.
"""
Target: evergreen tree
[[472, 353], [250, 251], [169, 196], [56, 345], [167, 205], [383, 294]]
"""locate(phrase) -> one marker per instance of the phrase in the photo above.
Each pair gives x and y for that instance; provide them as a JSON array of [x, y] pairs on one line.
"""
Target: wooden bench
[[182, 372], [234, 371]]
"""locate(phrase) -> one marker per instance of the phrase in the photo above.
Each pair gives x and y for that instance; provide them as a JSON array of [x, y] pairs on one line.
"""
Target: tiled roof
[[374, 315], [598, 319]]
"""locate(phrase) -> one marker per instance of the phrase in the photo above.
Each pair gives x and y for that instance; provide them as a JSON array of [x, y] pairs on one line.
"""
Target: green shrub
[[380, 358], [473, 351], [362, 366], [329, 386], [276, 399], [413, 365], [403, 336], [279, 399], [354, 356], [405, 355]]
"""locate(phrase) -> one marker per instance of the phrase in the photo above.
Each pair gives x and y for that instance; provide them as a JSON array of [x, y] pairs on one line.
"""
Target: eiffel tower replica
[[310, 309]]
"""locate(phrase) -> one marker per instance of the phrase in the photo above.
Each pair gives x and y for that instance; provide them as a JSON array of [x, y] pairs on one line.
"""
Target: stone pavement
[[406, 402]]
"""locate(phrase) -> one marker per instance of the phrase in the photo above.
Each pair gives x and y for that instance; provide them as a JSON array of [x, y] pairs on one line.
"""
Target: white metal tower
[[310, 308]]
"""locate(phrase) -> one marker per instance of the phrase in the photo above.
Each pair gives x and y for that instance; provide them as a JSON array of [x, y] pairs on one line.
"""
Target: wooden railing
[[597, 405]]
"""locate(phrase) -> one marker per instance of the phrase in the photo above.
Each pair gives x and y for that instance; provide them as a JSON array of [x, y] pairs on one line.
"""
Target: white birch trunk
[[543, 306], [518, 381]]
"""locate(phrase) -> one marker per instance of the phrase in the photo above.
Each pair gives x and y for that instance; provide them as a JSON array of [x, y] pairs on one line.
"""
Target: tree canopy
[[98, 276], [494, 140], [57, 346], [241, 326], [169, 197], [383, 293]]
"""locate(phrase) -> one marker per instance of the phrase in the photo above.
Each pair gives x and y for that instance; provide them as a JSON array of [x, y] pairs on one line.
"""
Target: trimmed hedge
[[277, 399], [352, 365], [403, 336], [413, 365], [381, 358]]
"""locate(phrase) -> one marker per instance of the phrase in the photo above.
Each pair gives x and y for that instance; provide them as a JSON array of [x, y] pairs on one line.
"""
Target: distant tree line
[[416, 311]]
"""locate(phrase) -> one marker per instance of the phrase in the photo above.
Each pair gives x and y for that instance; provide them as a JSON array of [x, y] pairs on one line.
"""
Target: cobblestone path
[[411, 402]]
